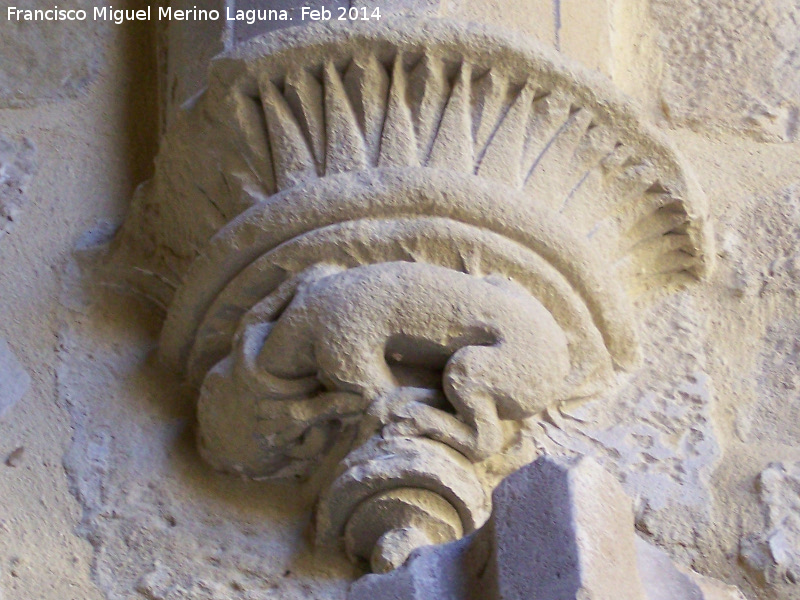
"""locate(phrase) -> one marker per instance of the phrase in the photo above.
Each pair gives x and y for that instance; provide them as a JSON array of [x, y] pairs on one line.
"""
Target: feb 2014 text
[[120, 16]]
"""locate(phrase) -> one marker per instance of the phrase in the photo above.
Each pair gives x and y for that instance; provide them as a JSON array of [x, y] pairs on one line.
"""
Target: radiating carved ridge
[[534, 137]]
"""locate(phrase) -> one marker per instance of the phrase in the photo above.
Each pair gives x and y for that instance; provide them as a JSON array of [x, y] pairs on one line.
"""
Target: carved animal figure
[[502, 354]]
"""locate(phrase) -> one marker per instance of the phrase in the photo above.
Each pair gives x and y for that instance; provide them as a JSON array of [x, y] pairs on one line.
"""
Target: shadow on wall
[[141, 96]]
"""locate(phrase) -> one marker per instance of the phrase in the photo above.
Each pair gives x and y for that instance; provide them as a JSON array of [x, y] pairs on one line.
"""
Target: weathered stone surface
[[776, 551], [535, 18], [204, 549], [421, 232], [662, 579], [15, 458], [17, 166], [341, 323], [162, 525], [418, 8], [189, 46], [560, 530], [712, 589], [656, 433], [14, 380], [595, 153], [732, 65], [766, 265], [242, 30], [391, 496], [776, 413], [187, 49], [584, 32], [449, 571], [46, 60]]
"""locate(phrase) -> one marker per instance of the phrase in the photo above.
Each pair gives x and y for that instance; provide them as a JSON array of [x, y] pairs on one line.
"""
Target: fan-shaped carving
[[307, 108]]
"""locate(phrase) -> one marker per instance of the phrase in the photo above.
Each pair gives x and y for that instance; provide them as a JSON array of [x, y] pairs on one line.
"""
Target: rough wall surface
[[17, 164], [90, 154], [732, 65], [46, 61], [102, 494]]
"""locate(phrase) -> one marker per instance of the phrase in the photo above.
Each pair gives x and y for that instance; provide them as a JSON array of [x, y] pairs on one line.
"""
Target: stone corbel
[[391, 247]]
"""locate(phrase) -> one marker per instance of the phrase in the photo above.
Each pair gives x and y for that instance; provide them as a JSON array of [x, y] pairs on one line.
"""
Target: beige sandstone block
[[584, 33], [536, 18], [17, 167], [14, 380], [731, 65], [416, 8], [44, 61], [560, 530], [192, 45], [572, 537]]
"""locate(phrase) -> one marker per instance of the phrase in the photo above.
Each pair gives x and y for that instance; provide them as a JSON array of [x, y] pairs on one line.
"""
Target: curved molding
[[243, 251]]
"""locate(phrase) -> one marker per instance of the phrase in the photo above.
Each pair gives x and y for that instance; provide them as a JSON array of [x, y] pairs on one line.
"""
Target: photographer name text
[[120, 16]]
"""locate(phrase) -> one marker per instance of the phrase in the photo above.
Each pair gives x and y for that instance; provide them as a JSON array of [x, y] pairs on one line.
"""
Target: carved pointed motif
[[448, 239]]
